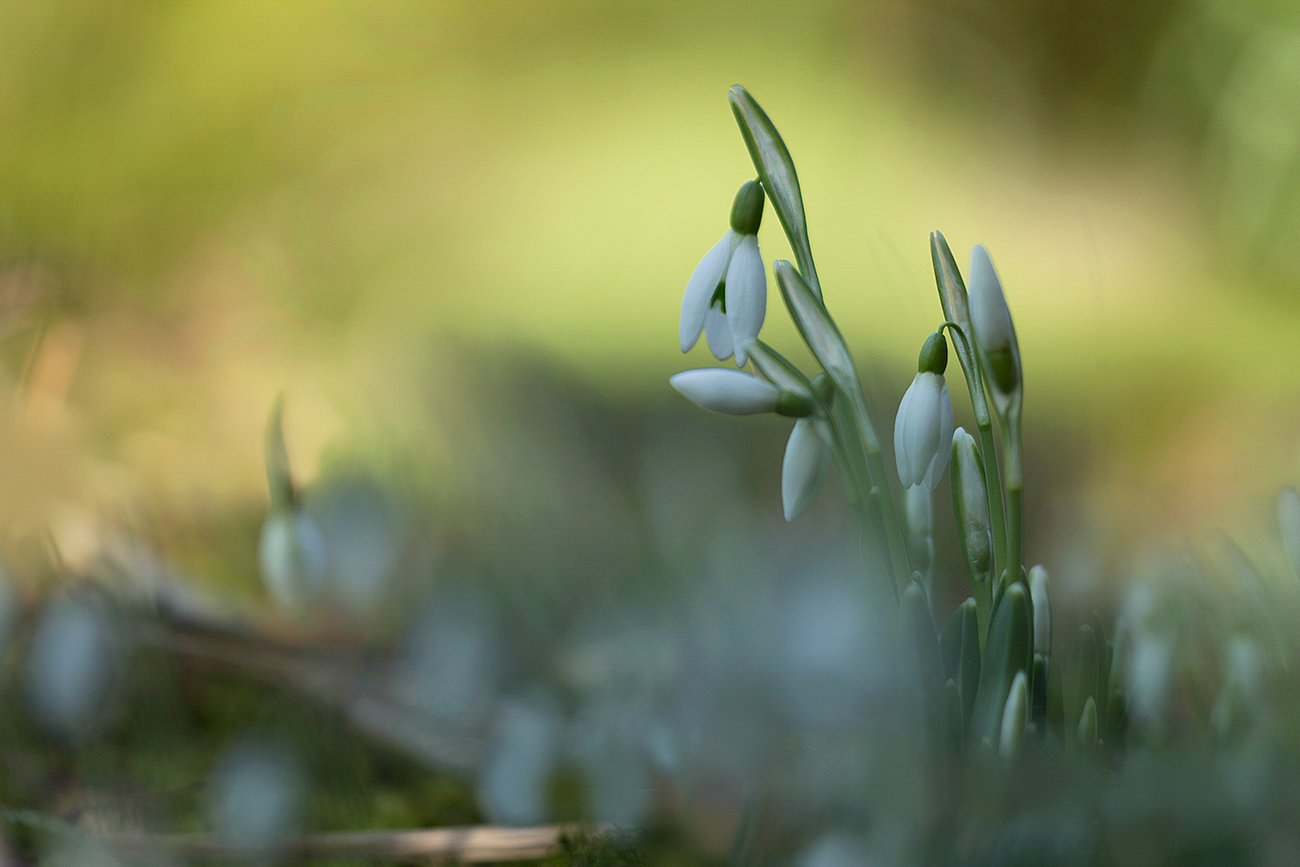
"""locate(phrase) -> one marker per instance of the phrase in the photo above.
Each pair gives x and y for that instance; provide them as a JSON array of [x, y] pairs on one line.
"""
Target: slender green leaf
[[1007, 652], [919, 639]]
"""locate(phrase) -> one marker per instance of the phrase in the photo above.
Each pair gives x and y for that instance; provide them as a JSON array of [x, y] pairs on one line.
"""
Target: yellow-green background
[[205, 203]]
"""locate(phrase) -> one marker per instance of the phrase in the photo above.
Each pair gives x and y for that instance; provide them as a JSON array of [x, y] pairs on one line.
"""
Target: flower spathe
[[923, 431], [991, 321], [723, 390]]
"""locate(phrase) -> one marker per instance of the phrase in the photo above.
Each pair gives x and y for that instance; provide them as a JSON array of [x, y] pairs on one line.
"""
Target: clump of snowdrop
[[980, 680]]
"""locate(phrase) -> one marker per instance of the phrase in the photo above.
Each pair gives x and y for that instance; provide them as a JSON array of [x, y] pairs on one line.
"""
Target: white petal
[[939, 462], [916, 429], [718, 331], [724, 390], [700, 288], [807, 462], [746, 295], [988, 307]]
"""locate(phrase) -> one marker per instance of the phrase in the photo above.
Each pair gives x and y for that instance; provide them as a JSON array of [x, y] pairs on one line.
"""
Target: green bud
[[934, 355], [793, 405], [747, 210]]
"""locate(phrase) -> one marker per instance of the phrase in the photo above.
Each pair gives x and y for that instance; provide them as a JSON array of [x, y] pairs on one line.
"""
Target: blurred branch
[[468, 844]]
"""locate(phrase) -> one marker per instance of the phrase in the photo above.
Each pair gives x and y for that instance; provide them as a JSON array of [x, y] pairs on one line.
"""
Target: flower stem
[[850, 455], [1015, 486], [993, 492], [879, 477]]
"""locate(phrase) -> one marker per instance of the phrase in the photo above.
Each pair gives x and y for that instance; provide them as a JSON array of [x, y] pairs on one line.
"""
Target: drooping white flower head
[[803, 473], [726, 296], [723, 390], [923, 428]]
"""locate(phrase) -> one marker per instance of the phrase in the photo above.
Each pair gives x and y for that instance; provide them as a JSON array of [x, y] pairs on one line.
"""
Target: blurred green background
[[387, 210]]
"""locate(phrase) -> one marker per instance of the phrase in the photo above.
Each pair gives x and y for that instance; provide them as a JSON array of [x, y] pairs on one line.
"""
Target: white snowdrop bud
[[723, 390]]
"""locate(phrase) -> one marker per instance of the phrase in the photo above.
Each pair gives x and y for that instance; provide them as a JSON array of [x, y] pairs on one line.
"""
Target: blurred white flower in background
[[255, 796], [526, 748], [73, 664]]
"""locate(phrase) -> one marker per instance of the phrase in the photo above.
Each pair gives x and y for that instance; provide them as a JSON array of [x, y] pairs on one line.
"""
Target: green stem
[[850, 454], [983, 605], [1015, 485], [993, 493], [879, 476]]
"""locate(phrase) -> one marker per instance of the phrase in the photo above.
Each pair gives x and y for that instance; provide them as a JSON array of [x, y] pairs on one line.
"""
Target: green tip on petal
[[747, 210], [934, 355]]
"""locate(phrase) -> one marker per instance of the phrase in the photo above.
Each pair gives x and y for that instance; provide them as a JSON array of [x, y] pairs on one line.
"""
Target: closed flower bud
[[991, 321], [1038, 592], [970, 503], [723, 390], [803, 473]]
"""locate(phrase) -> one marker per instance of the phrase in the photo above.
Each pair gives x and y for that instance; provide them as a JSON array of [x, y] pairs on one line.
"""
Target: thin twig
[[470, 844]]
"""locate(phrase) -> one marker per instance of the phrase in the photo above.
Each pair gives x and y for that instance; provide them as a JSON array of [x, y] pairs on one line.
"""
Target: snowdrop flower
[[726, 296], [991, 320], [923, 429], [736, 393]]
